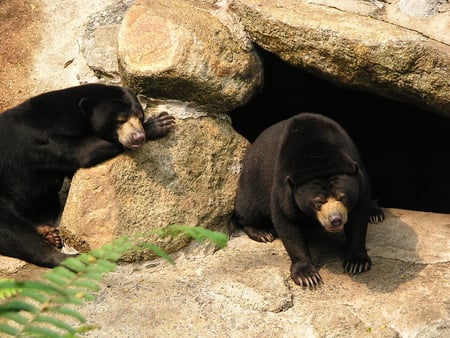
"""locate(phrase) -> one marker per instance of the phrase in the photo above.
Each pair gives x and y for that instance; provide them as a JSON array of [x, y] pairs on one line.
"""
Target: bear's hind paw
[[51, 234], [376, 214], [259, 235]]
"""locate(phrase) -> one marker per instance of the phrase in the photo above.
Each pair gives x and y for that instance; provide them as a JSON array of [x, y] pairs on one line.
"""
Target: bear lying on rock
[[299, 174], [49, 137]]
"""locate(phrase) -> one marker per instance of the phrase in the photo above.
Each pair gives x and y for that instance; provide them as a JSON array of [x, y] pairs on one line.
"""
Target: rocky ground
[[243, 290]]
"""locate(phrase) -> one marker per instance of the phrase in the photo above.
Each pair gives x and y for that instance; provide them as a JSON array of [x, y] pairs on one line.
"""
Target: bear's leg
[[20, 240], [51, 234], [158, 126], [356, 259], [303, 272]]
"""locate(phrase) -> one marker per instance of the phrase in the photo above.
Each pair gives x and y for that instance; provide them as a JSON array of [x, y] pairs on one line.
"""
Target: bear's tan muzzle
[[332, 215]]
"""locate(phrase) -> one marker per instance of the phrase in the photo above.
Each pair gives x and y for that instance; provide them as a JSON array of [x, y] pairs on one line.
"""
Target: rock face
[[187, 178], [181, 49], [354, 49], [244, 290], [201, 53]]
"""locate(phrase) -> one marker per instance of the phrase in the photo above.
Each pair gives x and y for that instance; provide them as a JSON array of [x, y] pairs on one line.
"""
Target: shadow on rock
[[392, 246]]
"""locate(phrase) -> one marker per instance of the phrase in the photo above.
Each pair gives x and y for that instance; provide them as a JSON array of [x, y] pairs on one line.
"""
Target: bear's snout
[[332, 215], [335, 220], [131, 133], [137, 138]]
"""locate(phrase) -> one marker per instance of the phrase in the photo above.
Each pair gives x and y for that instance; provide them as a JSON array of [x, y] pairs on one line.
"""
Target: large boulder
[[357, 46], [188, 177], [190, 51]]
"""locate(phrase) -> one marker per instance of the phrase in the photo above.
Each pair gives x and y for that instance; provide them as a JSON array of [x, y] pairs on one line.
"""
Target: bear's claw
[[259, 235], [376, 214], [374, 219], [311, 281], [355, 268], [305, 275], [158, 126], [51, 234]]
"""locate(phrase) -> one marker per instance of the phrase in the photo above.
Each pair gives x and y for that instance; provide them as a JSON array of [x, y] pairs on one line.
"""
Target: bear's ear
[[290, 181], [356, 167], [86, 107]]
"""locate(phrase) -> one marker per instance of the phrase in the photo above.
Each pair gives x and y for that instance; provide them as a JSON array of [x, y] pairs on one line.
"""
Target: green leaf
[[93, 274], [67, 312], [158, 251], [68, 300], [112, 256], [74, 264], [64, 272], [86, 284], [55, 322], [218, 238], [15, 316], [8, 329], [36, 295], [55, 278], [41, 286], [9, 288], [39, 331], [197, 233], [17, 305], [106, 265]]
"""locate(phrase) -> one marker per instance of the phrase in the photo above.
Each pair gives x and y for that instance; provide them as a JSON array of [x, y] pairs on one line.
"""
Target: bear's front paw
[[355, 265], [158, 125], [305, 275]]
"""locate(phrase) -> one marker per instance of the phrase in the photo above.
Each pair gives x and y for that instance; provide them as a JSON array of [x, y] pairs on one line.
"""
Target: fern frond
[[197, 233], [63, 310], [157, 251], [9, 288], [42, 309], [9, 330]]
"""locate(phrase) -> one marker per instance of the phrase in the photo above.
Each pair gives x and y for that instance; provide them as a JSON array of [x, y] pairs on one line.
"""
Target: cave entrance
[[405, 149]]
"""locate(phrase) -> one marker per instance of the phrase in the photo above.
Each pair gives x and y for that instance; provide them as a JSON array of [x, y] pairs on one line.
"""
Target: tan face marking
[[332, 215], [130, 132]]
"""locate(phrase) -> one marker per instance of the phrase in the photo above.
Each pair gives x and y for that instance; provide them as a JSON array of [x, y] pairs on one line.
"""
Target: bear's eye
[[121, 120], [317, 203], [341, 197]]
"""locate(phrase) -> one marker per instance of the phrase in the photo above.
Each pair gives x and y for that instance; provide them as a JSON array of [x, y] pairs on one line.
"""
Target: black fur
[[290, 169], [47, 138]]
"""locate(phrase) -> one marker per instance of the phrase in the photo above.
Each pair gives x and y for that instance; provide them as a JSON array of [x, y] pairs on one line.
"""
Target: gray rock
[[419, 8], [181, 49], [354, 50], [99, 43], [188, 177], [244, 290]]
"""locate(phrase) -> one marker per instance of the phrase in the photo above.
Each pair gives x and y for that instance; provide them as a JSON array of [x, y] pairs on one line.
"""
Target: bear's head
[[324, 180], [328, 199], [117, 117]]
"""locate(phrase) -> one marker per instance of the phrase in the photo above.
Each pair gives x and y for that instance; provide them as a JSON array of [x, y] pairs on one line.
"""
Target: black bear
[[49, 137], [300, 173]]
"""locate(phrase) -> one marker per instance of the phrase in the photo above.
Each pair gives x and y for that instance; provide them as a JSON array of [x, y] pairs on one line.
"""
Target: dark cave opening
[[405, 149]]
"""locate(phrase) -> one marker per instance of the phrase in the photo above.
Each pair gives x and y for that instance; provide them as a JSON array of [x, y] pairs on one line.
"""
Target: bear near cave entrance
[[403, 147]]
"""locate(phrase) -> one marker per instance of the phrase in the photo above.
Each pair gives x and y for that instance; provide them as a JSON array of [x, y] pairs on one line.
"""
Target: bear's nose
[[335, 220], [138, 138]]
